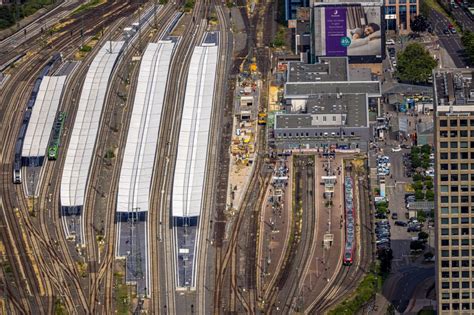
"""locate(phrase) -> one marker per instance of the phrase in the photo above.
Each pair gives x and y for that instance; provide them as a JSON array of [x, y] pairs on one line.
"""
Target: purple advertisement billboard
[[335, 26], [347, 30]]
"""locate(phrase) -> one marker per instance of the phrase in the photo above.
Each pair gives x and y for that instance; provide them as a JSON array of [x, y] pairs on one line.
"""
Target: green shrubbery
[[10, 14], [364, 292]]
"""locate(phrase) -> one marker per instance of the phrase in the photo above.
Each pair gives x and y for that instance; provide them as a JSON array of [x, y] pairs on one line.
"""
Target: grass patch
[[279, 40], [88, 5], [85, 48], [189, 5], [59, 308], [366, 290], [122, 300]]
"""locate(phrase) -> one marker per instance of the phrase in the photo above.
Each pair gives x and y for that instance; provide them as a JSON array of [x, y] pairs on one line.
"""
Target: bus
[[53, 146]]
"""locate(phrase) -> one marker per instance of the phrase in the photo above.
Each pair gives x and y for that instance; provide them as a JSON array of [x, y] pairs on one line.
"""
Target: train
[[17, 163], [350, 244], [55, 142]]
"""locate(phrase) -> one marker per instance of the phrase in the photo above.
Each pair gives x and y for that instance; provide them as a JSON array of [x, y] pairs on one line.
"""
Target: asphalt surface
[[451, 42], [403, 290], [463, 19]]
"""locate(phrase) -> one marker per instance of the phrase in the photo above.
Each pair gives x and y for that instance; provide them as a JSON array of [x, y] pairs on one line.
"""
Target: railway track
[[100, 172], [35, 240], [161, 238], [346, 281]]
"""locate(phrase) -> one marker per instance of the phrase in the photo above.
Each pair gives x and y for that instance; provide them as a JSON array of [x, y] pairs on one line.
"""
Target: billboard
[[348, 30]]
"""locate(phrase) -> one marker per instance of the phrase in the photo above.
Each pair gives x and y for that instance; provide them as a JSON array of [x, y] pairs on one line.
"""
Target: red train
[[350, 244]]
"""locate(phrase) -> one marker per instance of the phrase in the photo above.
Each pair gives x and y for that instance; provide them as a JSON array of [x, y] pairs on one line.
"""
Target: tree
[[419, 24], [429, 194], [428, 255], [417, 177], [415, 64], [429, 184], [385, 256], [426, 149], [423, 235], [417, 245], [467, 40], [421, 216], [419, 195]]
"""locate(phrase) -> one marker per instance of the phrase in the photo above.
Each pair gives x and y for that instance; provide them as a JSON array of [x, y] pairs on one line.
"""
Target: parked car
[[404, 146], [380, 216], [452, 30], [389, 42], [397, 148], [383, 241], [394, 216], [400, 223], [446, 31], [413, 229]]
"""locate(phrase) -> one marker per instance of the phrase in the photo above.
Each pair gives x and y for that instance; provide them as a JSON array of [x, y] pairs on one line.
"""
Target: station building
[[326, 104]]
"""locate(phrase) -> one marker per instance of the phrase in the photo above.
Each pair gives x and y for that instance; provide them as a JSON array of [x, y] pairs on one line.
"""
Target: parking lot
[[397, 229]]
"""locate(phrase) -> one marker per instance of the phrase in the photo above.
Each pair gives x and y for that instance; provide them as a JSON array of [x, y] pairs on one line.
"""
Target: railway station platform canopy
[[140, 149], [193, 144], [42, 117], [86, 126]]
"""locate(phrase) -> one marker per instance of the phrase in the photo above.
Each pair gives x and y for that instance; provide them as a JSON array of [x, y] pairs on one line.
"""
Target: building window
[[445, 306], [324, 118], [454, 243], [444, 145], [453, 123], [393, 10], [443, 133], [444, 122], [445, 263], [445, 210], [463, 133], [413, 9], [444, 221]]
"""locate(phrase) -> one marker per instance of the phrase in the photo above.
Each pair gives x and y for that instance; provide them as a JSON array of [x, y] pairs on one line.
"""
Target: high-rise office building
[[454, 184], [400, 13]]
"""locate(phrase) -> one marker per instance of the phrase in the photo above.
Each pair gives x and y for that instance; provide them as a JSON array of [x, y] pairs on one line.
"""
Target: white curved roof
[[191, 159], [42, 116], [138, 160], [86, 126]]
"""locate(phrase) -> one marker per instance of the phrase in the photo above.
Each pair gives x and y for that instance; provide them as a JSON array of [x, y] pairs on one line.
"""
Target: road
[[463, 19], [451, 42]]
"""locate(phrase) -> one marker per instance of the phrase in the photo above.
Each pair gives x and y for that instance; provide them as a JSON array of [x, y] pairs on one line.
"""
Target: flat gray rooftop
[[306, 89], [353, 106], [360, 74], [329, 69]]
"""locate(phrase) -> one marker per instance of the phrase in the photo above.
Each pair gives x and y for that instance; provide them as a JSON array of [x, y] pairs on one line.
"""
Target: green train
[[55, 141]]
